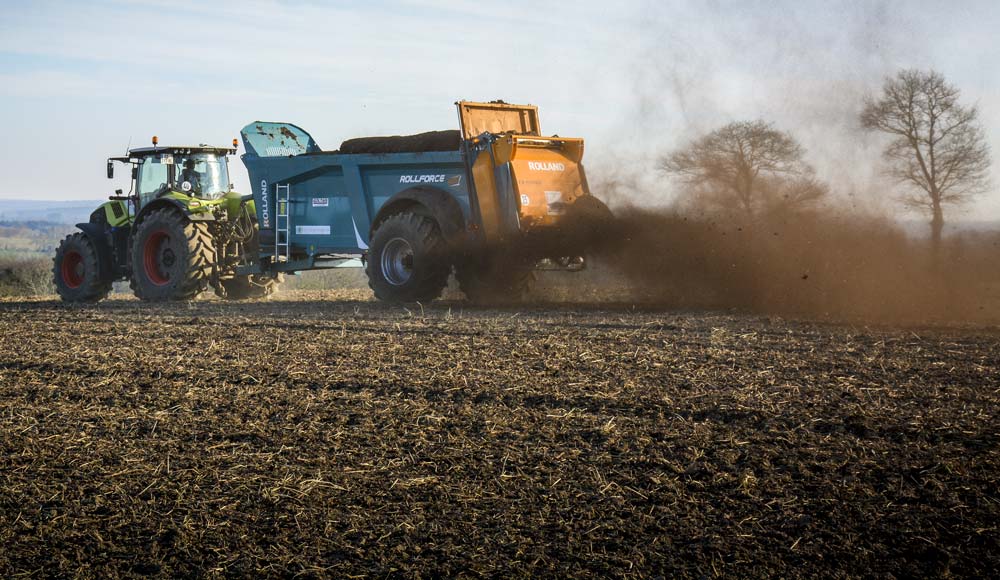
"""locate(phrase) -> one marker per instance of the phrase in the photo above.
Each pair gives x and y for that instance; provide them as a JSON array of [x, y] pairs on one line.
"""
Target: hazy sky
[[78, 80]]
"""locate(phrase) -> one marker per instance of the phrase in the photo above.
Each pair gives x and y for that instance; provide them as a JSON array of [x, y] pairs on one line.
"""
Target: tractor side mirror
[[111, 169], [135, 172]]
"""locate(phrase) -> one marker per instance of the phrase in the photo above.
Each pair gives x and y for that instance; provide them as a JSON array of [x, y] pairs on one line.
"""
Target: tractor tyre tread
[[94, 286], [200, 253]]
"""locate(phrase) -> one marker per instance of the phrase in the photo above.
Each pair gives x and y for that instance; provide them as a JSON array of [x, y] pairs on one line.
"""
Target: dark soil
[[326, 438], [421, 142]]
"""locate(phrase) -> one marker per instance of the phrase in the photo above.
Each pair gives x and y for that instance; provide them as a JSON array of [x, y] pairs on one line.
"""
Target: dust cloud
[[826, 262], [845, 259]]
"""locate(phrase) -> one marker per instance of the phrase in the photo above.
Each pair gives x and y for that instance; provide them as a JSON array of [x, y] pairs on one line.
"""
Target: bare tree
[[745, 165], [793, 193], [937, 146]]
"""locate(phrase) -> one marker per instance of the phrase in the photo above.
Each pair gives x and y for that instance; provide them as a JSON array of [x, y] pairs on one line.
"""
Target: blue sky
[[78, 80]]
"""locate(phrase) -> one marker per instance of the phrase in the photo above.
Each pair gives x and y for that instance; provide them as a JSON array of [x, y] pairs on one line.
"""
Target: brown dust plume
[[824, 262]]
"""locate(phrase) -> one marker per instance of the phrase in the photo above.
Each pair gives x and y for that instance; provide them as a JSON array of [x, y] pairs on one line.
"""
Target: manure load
[[429, 141]]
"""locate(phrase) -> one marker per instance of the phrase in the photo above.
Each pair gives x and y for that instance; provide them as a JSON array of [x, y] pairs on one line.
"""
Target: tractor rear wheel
[[495, 281], [76, 270], [407, 261], [172, 257], [248, 287]]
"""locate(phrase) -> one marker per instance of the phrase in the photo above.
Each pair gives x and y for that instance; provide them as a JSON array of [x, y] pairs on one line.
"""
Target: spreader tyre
[[171, 257], [495, 281], [407, 261], [77, 271], [589, 228]]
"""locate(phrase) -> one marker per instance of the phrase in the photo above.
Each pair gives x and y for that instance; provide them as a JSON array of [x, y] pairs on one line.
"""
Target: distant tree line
[[936, 152]]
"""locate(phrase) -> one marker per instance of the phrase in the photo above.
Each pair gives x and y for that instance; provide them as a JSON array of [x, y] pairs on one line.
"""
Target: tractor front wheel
[[172, 257], [76, 270], [407, 261]]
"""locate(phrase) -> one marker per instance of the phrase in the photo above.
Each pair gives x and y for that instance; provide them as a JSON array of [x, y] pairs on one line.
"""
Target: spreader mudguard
[[436, 203]]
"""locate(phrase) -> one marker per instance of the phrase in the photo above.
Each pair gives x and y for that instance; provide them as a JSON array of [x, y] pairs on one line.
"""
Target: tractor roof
[[180, 150]]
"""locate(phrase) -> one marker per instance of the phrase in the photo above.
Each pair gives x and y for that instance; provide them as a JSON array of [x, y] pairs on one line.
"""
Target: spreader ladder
[[282, 224]]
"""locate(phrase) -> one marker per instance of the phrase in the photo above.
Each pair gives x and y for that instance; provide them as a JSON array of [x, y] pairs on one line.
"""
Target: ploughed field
[[322, 434]]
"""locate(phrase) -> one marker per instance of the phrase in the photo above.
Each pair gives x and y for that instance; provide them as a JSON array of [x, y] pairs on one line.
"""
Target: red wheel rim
[[151, 258], [72, 269]]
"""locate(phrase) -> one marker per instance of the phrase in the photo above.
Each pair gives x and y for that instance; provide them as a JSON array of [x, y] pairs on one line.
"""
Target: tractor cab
[[200, 172]]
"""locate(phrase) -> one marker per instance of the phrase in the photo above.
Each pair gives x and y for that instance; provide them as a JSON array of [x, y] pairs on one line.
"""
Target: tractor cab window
[[203, 175], [153, 176]]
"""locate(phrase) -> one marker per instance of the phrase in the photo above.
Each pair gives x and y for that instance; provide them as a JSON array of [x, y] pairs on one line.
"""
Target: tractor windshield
[[204, 175]]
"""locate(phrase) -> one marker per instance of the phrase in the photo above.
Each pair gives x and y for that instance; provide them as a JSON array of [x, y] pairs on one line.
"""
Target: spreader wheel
[[407, 261], [495, 280]]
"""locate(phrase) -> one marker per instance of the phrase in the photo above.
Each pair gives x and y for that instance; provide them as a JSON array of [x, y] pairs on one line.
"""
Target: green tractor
[[179, 230]]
